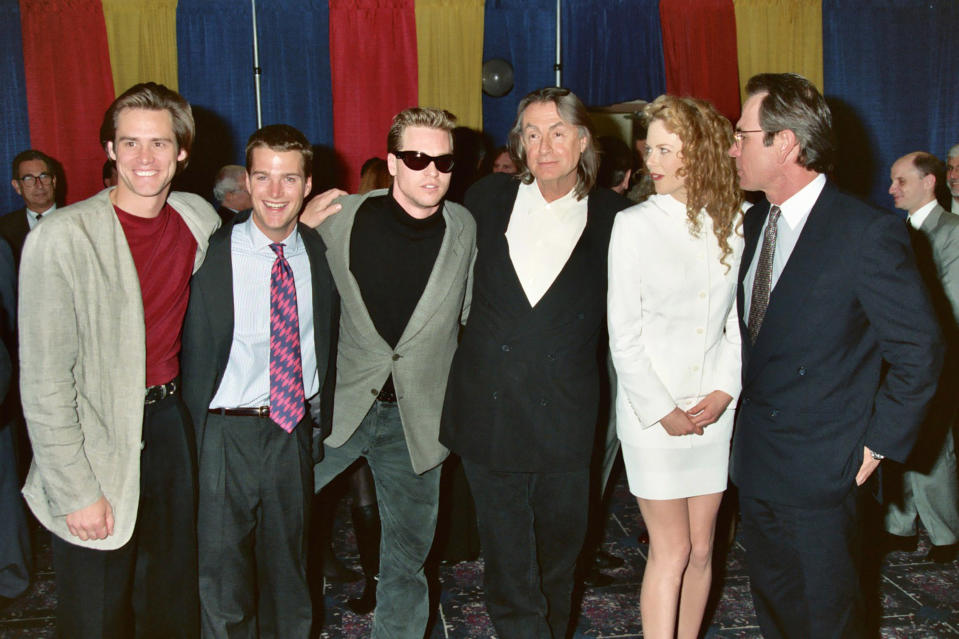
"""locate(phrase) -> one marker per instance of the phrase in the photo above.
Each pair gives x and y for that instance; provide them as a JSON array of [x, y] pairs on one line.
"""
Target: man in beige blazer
[[401, 262], [927, 486], [103, 292]]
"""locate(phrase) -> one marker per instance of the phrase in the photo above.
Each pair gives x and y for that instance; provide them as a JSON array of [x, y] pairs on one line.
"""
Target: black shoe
[[943, 554], [898, 543], [334, 571], [367, 601], [608, 561], [597, 579]]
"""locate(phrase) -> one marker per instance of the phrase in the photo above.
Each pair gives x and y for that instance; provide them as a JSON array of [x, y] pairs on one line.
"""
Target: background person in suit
[[401, 260], [523, 398], [823, 282], [103, 291], [952, 176], [34, 179], [674, 339], [231, 192], [254, 446], [928, 486]]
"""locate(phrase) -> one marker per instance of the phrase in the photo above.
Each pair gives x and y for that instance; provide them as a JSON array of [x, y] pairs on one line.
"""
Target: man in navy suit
[[823, 283]]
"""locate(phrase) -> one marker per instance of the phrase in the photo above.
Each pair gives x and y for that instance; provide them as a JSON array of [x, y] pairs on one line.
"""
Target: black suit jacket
[[523, 393], [848, 355], [208, 328], [14, 228]]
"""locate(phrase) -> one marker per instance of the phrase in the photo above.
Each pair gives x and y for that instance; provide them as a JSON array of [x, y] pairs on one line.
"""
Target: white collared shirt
[[541, 237], [794, 213], [246, 380], [33, 218], [955, 205], [919, 215]]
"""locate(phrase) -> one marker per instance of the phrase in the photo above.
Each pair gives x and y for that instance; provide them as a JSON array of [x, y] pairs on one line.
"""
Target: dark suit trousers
[[146, 588], [804, 567], [532, 527], [255, 482]]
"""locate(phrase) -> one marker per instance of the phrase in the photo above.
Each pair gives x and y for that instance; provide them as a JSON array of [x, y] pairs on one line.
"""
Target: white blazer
[[673, 328]]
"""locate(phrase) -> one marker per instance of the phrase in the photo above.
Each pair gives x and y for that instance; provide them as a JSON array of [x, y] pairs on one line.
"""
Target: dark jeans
[[532, 527], [148, 587], [804, 568], [256, 484], [408, 506]]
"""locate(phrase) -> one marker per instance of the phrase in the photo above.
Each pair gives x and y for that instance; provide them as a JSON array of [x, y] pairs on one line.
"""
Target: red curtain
[[373, 61], [699, 47], [69, 86]]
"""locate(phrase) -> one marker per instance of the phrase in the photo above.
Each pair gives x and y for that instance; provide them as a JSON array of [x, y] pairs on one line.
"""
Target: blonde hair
[[710, 174]]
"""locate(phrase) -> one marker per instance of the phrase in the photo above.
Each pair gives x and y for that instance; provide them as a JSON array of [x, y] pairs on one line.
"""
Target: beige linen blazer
[[83, 361]]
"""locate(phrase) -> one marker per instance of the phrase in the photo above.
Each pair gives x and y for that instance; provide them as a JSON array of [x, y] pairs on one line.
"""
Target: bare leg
[[669, 546], [698, 577]]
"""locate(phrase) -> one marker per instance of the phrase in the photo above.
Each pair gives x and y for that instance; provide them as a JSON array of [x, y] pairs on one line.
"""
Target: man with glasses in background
[[33, 180], [401, 262]]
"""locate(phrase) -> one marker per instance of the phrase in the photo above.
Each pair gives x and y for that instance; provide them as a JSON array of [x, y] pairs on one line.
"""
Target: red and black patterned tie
[[764, 275], [286, 370]]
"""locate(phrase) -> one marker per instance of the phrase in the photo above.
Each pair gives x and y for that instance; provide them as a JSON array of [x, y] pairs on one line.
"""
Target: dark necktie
[[286, 370], [764, 274]]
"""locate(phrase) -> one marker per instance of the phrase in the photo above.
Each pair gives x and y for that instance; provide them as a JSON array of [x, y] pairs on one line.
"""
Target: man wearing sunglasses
[[33, 180], [401, 262]]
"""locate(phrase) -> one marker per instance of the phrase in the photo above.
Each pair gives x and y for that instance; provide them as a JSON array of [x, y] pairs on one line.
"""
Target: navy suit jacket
[[208, 327], [848, 355], [14, 228]]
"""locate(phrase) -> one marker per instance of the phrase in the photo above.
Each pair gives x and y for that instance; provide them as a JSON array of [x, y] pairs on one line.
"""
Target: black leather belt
[[160, 391], [387, 395], [257, 411]]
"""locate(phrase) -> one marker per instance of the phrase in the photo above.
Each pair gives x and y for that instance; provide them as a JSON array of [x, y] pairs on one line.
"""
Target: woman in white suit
[[674, 339]]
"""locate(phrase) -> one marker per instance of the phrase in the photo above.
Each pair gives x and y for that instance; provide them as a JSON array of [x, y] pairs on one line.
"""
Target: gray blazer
[[83, 361], [420, 363], [942, 229]]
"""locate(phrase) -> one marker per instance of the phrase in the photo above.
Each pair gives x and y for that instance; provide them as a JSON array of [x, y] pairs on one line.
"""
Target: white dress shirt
[[33, 218], [541, 237], [246, 381], [795, 212], [919, 215]]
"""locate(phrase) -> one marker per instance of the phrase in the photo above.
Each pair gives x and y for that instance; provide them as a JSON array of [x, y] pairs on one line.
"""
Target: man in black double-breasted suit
[[523, 396], [824, 280]]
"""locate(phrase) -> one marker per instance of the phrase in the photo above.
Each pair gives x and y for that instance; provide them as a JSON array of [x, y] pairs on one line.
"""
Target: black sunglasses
[[418, 161]]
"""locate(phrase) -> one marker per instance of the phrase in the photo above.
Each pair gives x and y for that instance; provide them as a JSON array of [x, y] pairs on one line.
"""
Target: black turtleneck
[[391, 256]]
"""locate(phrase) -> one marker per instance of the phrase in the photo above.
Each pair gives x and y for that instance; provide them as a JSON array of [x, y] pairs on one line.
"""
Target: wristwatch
[[876, 455]]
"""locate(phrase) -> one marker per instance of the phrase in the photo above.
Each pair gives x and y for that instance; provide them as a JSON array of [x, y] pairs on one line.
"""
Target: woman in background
[[674, 340]]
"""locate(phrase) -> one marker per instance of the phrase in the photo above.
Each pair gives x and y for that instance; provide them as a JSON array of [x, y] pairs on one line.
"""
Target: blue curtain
[[613, 50], [890, 76], [522, 32], [14, 125], [215, 67], [294, 40]]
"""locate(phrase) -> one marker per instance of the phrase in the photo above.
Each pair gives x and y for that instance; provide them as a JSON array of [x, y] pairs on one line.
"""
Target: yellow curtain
[[142, 39], [449, 44], [778, 36]]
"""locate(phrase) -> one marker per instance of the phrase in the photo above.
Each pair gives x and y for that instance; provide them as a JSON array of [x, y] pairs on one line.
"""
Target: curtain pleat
[[449, 46], [613, 50], [890, 78], [779, 36], [522, 32], [699, 46], [14, 125], [69, 86], [142, 38], [215, 71], [295, 84], [374, 75]]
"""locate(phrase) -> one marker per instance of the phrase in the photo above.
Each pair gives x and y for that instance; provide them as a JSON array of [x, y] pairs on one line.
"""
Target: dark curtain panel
[[522, 32], [613, 50], [14, 127], [295, 57], [215, 66], [890, 77]]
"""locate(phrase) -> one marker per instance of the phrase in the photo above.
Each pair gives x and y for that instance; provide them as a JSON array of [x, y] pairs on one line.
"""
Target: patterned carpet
[[919, 600]]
